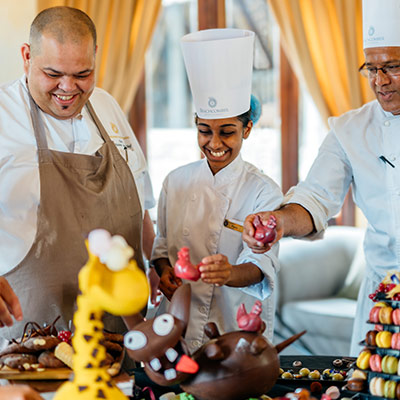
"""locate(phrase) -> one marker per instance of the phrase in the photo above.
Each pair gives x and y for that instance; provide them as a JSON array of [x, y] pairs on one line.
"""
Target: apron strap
[[96, 119], [38, 127]]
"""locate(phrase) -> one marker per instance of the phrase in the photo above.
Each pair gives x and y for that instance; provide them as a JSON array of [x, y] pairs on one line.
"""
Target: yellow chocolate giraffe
[[119, 292]]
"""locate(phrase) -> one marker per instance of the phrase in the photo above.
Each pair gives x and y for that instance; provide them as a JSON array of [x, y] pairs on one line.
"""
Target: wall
[[15, 20]]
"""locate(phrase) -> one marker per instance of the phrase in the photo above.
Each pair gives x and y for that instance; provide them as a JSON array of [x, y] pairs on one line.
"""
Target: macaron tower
[[380, 357]]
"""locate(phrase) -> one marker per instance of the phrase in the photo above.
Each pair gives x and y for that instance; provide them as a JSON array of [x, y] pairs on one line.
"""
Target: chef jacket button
[[185, 231], [386, 123], [203, 309], [193, 197]]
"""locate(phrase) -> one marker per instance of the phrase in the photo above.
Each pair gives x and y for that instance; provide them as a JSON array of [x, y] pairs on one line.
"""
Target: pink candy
[[184, 268], [267, 233]]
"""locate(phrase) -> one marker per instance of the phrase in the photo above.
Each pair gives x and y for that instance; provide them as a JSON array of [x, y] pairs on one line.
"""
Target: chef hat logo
[[212, 102], [371, 30]]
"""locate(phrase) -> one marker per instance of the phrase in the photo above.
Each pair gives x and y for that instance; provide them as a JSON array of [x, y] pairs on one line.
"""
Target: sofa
[[316, 290]]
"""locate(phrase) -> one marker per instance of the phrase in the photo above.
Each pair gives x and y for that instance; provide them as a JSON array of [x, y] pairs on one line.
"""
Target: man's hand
[[215, 269], [9, 304], [18, 392], [249, 230], [169, 282]]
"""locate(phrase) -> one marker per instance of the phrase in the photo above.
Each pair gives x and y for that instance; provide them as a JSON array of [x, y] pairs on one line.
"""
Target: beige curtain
[[124, 30], [323, 42]]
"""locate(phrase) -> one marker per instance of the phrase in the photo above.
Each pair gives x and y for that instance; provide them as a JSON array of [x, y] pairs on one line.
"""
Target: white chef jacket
[[192, 208], [19, 172], [348, 156]]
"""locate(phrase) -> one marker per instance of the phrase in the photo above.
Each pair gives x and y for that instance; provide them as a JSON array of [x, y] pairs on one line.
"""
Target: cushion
[[355, 275], [329, 324]]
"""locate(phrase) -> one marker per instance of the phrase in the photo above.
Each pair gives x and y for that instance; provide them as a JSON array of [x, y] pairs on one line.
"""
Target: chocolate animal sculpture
[[235, 366], [160, 345], [113, 284]]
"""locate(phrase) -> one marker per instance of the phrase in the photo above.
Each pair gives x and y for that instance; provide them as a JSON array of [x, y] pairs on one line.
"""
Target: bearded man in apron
[[61, 175]]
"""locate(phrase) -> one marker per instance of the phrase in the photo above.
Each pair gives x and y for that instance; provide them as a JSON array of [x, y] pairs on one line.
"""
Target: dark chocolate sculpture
[[233, 366], [159, 343]]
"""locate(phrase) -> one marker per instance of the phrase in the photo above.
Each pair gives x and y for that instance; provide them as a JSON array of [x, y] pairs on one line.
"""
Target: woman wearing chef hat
[[202, 205]]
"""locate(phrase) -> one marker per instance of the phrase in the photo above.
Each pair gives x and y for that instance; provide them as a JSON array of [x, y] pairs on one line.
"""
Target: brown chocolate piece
[[113, 337], [355, 385], [107, 361], [16, 348], [112, 346], [39, 343], [17, 360], [47, 359], [370, 338]]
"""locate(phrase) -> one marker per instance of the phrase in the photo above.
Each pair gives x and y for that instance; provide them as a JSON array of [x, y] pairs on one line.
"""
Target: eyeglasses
[[371, 72]]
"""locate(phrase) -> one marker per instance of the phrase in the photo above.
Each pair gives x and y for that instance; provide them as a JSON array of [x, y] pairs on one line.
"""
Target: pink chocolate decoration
[[184, 268], [250, 322], [267, 233]]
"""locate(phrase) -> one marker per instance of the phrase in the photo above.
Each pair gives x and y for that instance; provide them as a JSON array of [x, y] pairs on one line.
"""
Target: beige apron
[[78, 193]]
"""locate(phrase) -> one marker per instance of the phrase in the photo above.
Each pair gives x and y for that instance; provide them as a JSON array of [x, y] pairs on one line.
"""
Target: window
[[312, 132], [171, 138]]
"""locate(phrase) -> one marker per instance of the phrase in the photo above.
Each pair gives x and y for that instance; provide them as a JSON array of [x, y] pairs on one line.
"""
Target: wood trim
[[289, 93], [211, 14], [137, 114]]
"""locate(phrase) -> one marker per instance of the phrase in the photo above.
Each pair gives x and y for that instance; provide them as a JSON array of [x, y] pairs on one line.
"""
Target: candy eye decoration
[[163, 324], [135, 340]]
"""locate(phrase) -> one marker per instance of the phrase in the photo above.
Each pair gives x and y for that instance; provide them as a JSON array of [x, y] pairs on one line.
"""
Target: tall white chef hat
[[381, 23], [219, 65]]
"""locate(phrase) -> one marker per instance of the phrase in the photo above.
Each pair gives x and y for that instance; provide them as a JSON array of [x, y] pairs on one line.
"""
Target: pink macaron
[[396, 316], [395, 342], [374, 314], [375, 363]]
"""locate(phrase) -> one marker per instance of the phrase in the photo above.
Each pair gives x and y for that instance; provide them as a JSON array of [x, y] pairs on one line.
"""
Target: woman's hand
[[169, 282], [215, 269]]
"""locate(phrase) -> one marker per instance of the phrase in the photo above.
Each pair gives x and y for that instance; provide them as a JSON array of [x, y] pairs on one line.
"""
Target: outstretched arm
[[216, 269]]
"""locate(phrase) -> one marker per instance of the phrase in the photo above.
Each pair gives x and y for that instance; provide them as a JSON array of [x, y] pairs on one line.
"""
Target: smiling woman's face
[[221, 140]]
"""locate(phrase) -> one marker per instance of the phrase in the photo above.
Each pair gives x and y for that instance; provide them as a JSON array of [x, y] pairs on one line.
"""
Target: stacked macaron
[[384, 388], [381, 356], [383, 339], [382, 313]]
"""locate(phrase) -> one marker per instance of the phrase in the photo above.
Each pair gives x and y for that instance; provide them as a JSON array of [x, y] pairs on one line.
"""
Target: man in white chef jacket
[[69, 163], [362, 149]]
